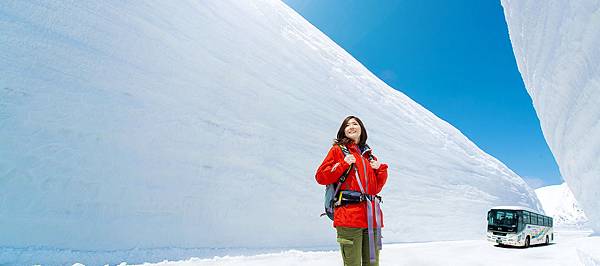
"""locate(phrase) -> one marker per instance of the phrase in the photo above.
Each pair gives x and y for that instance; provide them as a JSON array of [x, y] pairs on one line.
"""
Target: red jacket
[[332, 168]]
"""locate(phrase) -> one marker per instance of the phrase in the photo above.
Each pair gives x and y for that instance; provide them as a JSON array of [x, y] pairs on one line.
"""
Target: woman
[[357, 223]]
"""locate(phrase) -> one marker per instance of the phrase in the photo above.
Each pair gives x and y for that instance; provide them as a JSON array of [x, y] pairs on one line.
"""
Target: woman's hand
[[350, 159], [375, 164]]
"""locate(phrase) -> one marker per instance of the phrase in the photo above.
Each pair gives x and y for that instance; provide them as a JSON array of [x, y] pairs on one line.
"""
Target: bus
[[518, 226]]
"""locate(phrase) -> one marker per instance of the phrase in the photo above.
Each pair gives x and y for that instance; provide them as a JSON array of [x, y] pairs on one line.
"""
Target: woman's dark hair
[[341, 135]]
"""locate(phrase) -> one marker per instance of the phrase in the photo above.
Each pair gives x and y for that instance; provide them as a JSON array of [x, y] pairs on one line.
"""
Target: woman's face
[[353, 130]]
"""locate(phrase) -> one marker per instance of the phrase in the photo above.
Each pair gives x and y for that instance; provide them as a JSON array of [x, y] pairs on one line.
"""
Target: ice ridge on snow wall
[[557, 47], [128, 125], [558, 202]]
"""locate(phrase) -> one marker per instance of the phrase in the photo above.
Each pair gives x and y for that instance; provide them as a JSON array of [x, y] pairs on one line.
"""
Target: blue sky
[[452, 57]]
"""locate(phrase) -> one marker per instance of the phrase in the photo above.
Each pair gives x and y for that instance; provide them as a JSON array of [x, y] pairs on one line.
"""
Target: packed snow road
[[570, 248]]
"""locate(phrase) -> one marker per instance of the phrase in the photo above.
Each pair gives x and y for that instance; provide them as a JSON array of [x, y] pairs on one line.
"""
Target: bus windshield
[[502, 218]]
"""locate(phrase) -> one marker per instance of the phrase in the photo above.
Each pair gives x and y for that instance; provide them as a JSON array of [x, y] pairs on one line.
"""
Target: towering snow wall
[[557, 46], [200, 124], [558, 201]]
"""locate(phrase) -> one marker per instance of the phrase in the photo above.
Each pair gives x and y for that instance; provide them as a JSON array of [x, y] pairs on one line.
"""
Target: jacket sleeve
[[332, 167], [381, 174]]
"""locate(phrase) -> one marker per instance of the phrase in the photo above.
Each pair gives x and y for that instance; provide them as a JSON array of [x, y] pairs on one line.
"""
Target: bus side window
[[544, 221], [520, 225], [526, 218]]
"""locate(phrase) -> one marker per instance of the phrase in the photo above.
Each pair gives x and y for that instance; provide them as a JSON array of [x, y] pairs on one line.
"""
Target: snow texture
[[558, 202], [136, 125], [557, 47], [570, 249]]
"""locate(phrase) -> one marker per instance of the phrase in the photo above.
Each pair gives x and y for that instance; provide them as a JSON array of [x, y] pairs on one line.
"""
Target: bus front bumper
[[512, 240]]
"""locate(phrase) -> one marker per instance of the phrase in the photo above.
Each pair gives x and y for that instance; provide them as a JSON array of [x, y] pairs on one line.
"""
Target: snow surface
[[570, 249], [557, 47], [151, 127], [558, 202]]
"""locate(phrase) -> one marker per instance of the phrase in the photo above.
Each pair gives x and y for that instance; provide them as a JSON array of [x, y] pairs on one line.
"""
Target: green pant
[[354, 244]]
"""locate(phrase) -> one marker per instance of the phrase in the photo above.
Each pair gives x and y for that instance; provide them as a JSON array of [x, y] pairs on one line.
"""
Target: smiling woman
[[357, 216]]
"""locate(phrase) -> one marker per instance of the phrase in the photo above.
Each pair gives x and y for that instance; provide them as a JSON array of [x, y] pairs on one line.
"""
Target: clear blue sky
[[452, 57]]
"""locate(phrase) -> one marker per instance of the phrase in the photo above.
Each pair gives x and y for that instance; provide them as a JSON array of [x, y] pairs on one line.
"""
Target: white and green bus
[[518, 226]]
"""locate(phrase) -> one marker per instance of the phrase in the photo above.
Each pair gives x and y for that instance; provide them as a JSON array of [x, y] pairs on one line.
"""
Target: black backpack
[[331, 190]]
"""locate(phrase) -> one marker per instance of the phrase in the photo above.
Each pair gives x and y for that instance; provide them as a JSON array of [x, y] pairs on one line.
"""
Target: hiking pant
[[354, 244]]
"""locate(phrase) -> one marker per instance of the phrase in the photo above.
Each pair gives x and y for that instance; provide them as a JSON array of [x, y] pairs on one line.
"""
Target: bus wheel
[[526, 245], [547, 240]]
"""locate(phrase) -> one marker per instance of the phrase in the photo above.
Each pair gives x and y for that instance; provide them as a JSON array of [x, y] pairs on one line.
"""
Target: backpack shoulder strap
[[344, 149], [367, 149], [346, 153]]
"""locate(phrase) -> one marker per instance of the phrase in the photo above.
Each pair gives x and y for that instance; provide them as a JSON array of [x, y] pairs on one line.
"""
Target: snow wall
[[557, 47], [129, 125], [558, 201]]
